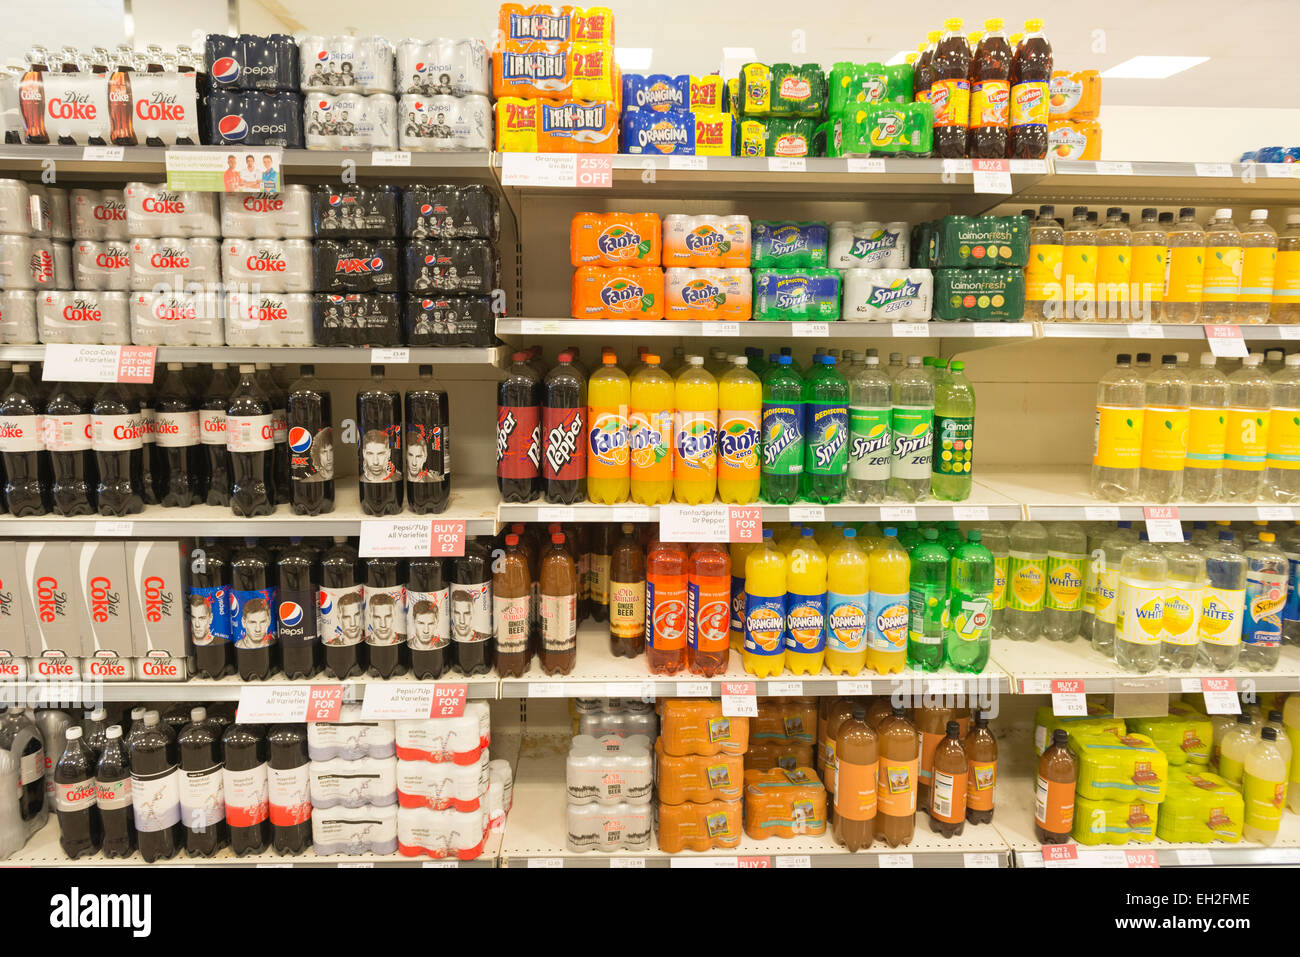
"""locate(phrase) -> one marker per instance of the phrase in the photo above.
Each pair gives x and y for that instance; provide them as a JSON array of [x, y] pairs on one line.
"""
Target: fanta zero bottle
[[608, 398], [708, 605], [739, 553], [805, 606], [783, 439], [695, 459], [650, 431], [740, 403], [665, 607], [888, 571], [847, 606], [764, 651]]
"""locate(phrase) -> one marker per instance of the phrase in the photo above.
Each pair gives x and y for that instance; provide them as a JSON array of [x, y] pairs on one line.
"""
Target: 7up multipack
[[978, 264], [871, 113]]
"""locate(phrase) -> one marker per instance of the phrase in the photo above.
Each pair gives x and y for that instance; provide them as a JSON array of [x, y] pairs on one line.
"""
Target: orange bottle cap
[[650, 359], [512, 540], [609, 358], [557, 538]]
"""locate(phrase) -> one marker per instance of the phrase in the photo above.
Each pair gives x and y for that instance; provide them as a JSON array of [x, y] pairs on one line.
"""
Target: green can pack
[[979, 242], [789, 137], [855, 84], [984, 295], [811, 294], [798, 91]]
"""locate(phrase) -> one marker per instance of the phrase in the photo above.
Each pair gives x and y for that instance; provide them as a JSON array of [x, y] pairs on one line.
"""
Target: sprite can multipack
[[970, 242], [982, 294], [786, 245], [797, 294]]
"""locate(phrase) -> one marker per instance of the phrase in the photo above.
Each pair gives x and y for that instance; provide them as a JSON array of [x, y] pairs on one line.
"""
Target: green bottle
[[782, 433], [954, 436], [950, 536], [967, 621], [758, 364], [909, 535], [926, 603], [826, 433]]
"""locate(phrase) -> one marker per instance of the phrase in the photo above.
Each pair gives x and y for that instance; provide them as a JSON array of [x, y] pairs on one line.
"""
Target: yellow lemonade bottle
[[764, 651], [829, 536], [695, 446], [785, 538], [740, 403], [608, 397], [889, 571], [805, 606], [650, 433], [847, 604], [739, 552]]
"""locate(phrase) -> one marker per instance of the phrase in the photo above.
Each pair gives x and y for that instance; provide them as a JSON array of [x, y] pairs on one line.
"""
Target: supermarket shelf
[[535, 834], [476, 504], [1033, 664], [1158, 330], [319, 355], [1188, 184], [763, 329], [598, 673]]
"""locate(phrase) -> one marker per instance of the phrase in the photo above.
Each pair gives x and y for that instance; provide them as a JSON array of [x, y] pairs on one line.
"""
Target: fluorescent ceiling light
[[899, 57], [633, 58], [1152, 67]]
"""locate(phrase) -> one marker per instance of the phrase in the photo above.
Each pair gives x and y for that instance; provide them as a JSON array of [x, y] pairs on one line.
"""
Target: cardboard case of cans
[[674, 115]]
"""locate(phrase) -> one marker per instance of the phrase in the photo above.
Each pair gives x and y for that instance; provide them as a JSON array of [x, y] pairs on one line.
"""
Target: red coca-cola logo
[[214, 425], [168, 203], [262, 203], [268, 432], [55, 668], [113, 259], [170, 259], [159, 109], [83, 310], [102, 602], [159, 669], [80, 792], [49, 602], [107, 668], [265, 261], [174, 310], [157, 603], [72, 106]]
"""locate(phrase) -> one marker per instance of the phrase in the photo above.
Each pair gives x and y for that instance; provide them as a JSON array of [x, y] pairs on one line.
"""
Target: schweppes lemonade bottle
[[1142, 583], [1067, 560], [1026, 581]]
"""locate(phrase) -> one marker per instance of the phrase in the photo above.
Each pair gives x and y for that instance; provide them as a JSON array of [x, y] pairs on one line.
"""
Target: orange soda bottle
[[608, 467], [708, 606], [665, 607]]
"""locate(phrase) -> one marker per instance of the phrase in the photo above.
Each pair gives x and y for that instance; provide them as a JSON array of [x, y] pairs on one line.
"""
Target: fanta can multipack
[[616, 239], [618, 292]]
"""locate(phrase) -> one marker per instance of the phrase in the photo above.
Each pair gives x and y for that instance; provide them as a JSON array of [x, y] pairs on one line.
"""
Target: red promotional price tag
[[991, 175], [740, 699], [447, 539], [746, 524], [135, 363], [1068, 700], [1142, 858], [753, 862], [448, 701], [325, 703], [1163, 524], [1067, 686], [1220, 696], [595, 171], [1060, 855], [1226, 341]]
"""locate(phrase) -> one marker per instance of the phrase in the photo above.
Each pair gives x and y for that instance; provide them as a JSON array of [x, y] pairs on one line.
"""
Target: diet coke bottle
[[117, 437], [26, 463], [250, 436], [212, 435], [68, 427], [179, 452]]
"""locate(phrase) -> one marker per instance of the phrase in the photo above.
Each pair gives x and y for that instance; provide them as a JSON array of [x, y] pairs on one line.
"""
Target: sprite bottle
[[954, 435], [782, 432], [927, 601], [826, 433], [968, 618]]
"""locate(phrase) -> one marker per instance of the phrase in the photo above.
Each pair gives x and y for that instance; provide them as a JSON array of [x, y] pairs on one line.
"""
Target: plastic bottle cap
[[1208, 359], [807, 532], [1293, 359], [1060, 736], [1293, 219], [1168, 359], [73, 733], [628, 528], [512, 540], [953, 729], [890, 532], [973, 535], [198, 715], [650, 359], [859, 713], [564, 357], [783, 360], [953, 24], [1034, 25], [850, 533], [557, 538], [1269, 734], [609, 359], [993, 24], [767, 533], [931, 535], [1243, 719], [150, 718], [1252, 360], [1259, 214], [695, 360], [244, 368], [1223, 214], [956, 366], [1275, 717], [740, 361], [174, 367], [113, 733]]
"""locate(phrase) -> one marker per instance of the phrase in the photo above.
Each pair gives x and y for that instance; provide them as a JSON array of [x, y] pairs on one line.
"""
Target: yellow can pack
[[1098, 718], [1184, 735], [1200, 807], [713, 134], [516, 124], [1114, 822], [1119, 767], [706, 95], [755, 89], [753, 137]]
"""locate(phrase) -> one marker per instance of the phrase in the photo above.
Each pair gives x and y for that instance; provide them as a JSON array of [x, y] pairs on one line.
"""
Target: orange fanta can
[[618, 292], [695, 294], [615, 239]]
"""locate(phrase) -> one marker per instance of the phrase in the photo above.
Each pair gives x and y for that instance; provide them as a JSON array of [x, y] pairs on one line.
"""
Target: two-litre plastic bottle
[[994, 537], [826, 431], [1117, 445], [1183, 602], [805, 606], [889, 574], [1079, 272], [1285, 304], [765, 606], [1184, 287], [1282, 460], [857, 761], [912, 423], [708, 606], [1107, 597], [1114, 267], [1258, 269], [650, 433], [695, 427], [870, 435], [1067, 558], [1142, 583], [1043, 275], [967, 619], [848, 602], [1206, 432], [1148, 249], [1223, 604], [608, 462], [1250, 397], [954, 435], [927, 602], [1221, 279], [783, 432], [1263, 787], [1167, 399], [740, 409], [1026, 581]]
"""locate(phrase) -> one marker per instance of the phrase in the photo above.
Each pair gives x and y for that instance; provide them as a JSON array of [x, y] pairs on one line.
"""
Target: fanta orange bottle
[[665, 607], [764, 654], [805, 606], [889, 572], [695, 460], [608, 397], [740, 403], [708, 605], [650, 433]]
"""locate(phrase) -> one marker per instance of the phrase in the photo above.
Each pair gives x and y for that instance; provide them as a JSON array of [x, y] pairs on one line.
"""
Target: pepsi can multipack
[[357, 265], [346, 64], [443, 66], [444, 123], [250, 62], [254, 118], [282, 215], [356, 320], [354, 211], [450, 212], [449, 321], [350, 121], [452, 266]]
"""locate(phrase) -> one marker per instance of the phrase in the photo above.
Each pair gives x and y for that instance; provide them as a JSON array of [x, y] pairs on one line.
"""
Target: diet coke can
[[344, 64], [60, 215], [44, 265], [173, 318], [282, 215], [40, 214], [154, 210], [174, 261], [15, 262], [14, 217], [101, 265], [269, 319], [98, 214], [86, 317], [17, 316], [267, 265], [442, 65]]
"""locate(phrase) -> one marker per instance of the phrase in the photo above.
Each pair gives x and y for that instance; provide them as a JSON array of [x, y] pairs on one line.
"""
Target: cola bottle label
[[251, 622], [177, 429], [511, 616], [212, 427], [20, 433], [385, 615], [74, 797], [311, 455], [519, 441], [203, 802], [247, 801], [427, 621], [341, 616], [148, 425], [31, 767], [425, 447], [117, 433], [564, 456], [156, 800], [381, 450], [250, 433], [296, 618], [289, 794], [280, 426], [67, 433], [471, 612], [209, 615], [113, 795]]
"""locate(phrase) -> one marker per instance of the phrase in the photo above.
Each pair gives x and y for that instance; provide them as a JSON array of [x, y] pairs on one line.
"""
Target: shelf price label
[[688, 162], [1220, 696], [810, 330], [448, 539], [1068, 699], [324, 703], [1147, 858], [740, 699], [1213, 169], [398, 539], [272, 704], [102, 154], [721, 329], [69, 363], [1226, 342], [898, 513], [991, 175], [1163, 524], [390, 158], [1060, 855], [745, 523], [388, 357], [786, 689], [787, 164], [539, 169], [385, 701], [695, 523], [860, 165]]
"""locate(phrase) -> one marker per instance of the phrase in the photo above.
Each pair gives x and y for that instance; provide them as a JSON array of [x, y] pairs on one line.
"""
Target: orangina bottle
[[650, 434], [740, 404], [887, 619], [805, 606], [764, 651], [608, 394], [847, 604], [695, 460]]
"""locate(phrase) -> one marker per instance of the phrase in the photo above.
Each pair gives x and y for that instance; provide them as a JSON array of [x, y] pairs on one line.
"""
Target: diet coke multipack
[[35, 255], [266, 259]]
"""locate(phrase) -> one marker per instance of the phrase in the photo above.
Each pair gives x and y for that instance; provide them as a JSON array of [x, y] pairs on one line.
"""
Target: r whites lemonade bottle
[[764, 653], [847, 606], [805, 604], [650, 434], [695, 460], [608, 393], [740, 402]]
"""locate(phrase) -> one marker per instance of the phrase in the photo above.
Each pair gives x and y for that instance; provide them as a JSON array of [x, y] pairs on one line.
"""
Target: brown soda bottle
[[528, 538], [923, 71], [1031, 71], [857, 756], [948, 785], [950, 91], [559, 580], [931, 725], [708, 610], [598, 560], [982, 754], [840, 711], [627, 596], [1054, 791], [990, 93], [878, 711], [900, 758], [512, 603]]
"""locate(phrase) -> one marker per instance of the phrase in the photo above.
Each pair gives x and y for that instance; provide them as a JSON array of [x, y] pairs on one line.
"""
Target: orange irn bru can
[[517, 125], [615, 239], [591, 71], [534, 23], [531, 69], [577, 126], [618, 292]]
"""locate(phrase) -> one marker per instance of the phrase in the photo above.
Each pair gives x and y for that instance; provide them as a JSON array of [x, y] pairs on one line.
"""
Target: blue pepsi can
[[250, 62], [242, 118]]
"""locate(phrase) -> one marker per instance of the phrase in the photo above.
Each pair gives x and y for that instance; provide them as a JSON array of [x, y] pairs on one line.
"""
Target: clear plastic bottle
[[1183, 289], [896, 364], [912, 395], [954, 427], [1142, 577], [1067, 560], [1079, 272], [1114, 267], [1043, 290], [1221, 280], [1276, 722], [1117, 442], [1286, 278], [1223, 603], [993, 536], [1201, 533], [1149, 247], [1250, 397], [870, 438], [1107, 602], [1184, 598], [1274, 361], [1143, 365], [1282, 461], [1164, 432], [1207, 428], [1289, 542], [1261, 632], [1263, 782], [1026, 581]]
